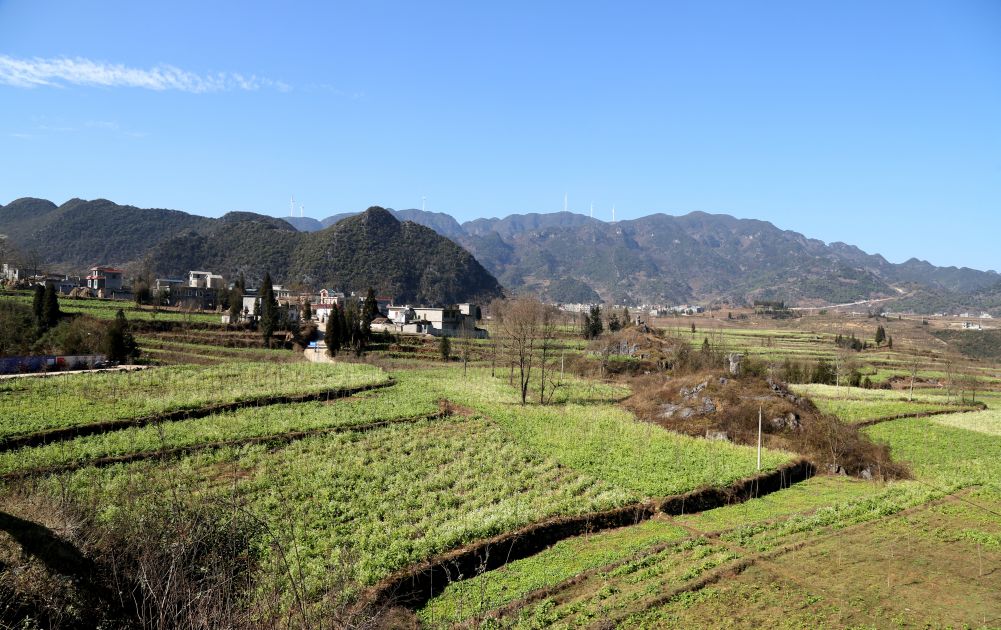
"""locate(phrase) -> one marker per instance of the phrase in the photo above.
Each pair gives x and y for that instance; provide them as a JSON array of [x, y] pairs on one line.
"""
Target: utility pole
[[759, 438]]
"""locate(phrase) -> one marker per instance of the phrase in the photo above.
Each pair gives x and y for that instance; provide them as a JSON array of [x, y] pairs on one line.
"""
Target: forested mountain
[[406, 261], [81, 233], [563, 256]]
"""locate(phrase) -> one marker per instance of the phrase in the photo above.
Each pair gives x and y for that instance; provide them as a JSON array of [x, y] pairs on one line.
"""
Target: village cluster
[[202, 291]]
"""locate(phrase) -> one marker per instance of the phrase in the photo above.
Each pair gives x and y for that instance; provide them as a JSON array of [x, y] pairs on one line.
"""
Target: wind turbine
[[423, 199], [291, 206], [613, 213], [564, 202]]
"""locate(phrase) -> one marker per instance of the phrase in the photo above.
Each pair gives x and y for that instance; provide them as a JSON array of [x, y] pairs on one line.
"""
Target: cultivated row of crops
[[402, 401], [36, 404], [627, 567]]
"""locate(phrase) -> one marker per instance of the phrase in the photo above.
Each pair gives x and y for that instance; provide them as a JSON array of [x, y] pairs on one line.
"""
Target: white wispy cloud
[[63, 71]]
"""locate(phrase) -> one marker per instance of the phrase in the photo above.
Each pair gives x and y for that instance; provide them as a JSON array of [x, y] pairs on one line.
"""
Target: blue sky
[[874, 123]]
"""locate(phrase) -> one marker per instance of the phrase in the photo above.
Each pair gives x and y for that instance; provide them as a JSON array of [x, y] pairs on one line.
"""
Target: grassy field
[[856, 404], [36, 404]]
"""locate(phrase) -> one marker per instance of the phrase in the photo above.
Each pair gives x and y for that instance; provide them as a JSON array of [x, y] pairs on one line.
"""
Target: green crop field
[[368, 503], [405, 400], [32, 404], [178, 352], [678, 571], [348, 491]]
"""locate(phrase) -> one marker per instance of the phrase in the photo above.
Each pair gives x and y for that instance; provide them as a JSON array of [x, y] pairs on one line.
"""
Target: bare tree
[[548, 329], [523, 322]]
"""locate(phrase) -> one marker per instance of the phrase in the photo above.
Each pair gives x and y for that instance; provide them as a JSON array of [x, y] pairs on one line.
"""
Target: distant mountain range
[[565, 257], [698, 257], [402, 260]]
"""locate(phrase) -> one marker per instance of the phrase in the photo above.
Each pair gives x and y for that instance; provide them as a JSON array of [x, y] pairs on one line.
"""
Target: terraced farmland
[[571, 514], [858, 405], [31, 405]]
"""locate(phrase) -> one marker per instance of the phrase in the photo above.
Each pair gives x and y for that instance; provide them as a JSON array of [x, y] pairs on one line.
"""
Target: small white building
[[437, 321], [205, 280]]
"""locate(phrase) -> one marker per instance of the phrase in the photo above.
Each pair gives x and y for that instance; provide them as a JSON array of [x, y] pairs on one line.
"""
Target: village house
[[199, 298], [205, 280], [452, 321], [108, 279], [163, 286], [10, 273], [328, 296]]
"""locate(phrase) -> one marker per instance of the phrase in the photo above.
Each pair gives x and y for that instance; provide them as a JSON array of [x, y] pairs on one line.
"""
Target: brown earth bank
[[714, 404], [414, 586]]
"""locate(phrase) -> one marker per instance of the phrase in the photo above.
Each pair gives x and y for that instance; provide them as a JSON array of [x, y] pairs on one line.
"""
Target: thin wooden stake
[[759, 438]]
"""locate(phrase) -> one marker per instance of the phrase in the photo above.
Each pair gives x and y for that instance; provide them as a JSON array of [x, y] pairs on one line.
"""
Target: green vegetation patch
[[947, 456], [406, 400], [475, 596], [988, 421], [28, 405], [606, 441]]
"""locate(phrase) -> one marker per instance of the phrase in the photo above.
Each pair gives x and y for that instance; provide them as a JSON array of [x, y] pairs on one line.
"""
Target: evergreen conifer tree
[[332, 334], [50, 308], [269, 309]]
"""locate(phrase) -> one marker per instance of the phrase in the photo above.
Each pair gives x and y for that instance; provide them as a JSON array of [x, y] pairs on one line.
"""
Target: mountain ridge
[[563, 256], [405, 261]]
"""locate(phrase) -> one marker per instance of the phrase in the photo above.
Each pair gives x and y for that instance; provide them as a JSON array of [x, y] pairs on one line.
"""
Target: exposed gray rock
[[708, 406], [717, 435], [691, 392]]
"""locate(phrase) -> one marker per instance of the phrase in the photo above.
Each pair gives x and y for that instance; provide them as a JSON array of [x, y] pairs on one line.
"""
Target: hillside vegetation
[[405, 261]]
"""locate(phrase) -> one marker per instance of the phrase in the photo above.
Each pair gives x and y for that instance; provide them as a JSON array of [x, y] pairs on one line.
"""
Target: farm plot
[[855, 404], [364, 504], [941, 453], [368, 503], [108, 309], [604, 440], [33, 405], [650, 565], [404, 401], [988, 421], [904, 541], [532, 577], [937, 565], [164, 350]]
